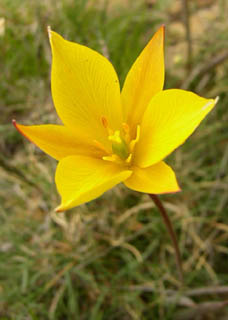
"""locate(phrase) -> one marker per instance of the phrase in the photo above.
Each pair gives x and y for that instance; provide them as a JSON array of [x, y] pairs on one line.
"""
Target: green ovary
[[119, 146]]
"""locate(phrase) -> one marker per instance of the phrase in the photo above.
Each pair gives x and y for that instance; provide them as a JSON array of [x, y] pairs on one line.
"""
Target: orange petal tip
[[171, 192], [17, 126], [14, 122], [161, 31], [162, 27], [60, 208]]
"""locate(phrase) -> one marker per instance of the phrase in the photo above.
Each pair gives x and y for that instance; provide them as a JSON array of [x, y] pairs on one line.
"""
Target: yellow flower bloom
[[110, 136]]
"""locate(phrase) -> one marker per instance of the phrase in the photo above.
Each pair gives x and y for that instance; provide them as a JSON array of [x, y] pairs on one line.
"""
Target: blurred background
[[112, 258]]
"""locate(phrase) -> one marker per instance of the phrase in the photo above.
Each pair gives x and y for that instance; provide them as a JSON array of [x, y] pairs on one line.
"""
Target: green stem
[[171, 232]]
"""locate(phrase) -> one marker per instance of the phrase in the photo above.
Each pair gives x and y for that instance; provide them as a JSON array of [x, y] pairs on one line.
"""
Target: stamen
[[137, 133], [129, 158], [122, 145], [112, 158], [108, 158], [119, 146], [125, 127], [133, 142], [100, 146], [104, 122], [126, 130]]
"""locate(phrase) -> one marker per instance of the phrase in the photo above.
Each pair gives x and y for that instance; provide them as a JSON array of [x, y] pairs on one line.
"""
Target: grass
[[111, 258]]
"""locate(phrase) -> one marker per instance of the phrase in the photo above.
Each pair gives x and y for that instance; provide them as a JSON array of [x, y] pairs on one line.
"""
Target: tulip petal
[[57, 141], [144, 80], [156, 179], [82, 179], [169, 120], [85, 89]]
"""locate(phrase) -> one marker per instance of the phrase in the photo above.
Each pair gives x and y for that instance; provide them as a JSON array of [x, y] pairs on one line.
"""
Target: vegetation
[[112, 258]]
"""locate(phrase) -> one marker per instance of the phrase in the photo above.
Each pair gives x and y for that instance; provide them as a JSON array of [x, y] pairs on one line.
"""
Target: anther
[[104, 122], [100, 146], [126, 130], [125, 127]]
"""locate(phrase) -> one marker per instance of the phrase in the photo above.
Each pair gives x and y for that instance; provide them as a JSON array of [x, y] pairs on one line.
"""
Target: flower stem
[[171, 232]]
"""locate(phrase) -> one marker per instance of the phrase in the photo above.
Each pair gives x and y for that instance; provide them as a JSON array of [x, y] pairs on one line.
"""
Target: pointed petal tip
[[216, 100], [211, 103], [51, 35], [161, 30], [14, 122], [162, 27], [171, 192], [17, 126], [60, 208], [49, 32], [64, 206]]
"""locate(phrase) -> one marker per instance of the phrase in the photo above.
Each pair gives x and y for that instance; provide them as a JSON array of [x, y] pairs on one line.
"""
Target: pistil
[[119, 146], [121, 143]]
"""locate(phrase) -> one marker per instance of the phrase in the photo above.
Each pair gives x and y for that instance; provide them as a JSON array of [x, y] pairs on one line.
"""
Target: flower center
[[119, 145], [122, 145]]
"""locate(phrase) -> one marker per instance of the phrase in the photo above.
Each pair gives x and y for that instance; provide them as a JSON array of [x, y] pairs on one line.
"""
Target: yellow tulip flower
[[110, 136]]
